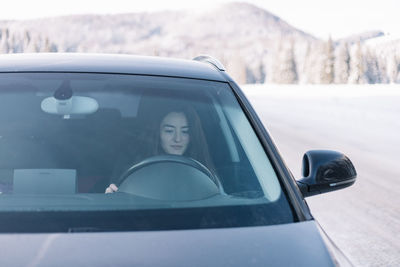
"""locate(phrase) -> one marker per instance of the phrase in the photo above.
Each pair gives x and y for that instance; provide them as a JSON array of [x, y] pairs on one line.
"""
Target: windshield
[[179, 153]]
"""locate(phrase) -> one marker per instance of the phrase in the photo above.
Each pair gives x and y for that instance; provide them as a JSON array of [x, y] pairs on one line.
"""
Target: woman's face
[[174, 133]]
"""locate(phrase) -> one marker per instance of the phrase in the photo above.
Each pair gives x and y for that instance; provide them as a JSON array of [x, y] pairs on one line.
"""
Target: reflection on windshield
[[173, 137]]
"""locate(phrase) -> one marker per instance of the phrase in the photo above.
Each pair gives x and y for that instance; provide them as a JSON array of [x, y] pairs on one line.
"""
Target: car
[[121, 160]]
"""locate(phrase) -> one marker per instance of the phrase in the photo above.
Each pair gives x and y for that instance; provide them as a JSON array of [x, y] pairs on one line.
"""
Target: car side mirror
[[324, 171]]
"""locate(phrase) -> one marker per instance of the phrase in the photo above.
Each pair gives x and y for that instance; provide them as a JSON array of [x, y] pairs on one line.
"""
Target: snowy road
[[363, 122]]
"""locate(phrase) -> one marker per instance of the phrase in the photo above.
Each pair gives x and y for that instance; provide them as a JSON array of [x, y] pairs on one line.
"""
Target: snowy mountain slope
[[227, 25], [236, 33], [254, 45]]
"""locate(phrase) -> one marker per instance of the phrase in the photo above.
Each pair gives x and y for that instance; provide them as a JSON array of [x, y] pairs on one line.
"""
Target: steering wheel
[[172, 178]]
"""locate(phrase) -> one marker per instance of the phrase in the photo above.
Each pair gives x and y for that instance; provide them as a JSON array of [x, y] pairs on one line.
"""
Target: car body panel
[[108, 63], [296, 244]]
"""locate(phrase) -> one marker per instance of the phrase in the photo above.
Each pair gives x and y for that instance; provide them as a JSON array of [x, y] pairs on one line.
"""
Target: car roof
[[109, 63]]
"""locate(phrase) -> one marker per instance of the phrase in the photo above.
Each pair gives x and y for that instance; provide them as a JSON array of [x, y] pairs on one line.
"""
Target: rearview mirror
[[324, 171], [73, 105]]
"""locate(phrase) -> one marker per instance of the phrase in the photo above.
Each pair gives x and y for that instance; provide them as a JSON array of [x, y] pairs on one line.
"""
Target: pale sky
[[338, 18]]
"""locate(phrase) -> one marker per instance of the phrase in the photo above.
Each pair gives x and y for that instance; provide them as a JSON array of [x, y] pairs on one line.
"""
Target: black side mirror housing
[[324, 171]]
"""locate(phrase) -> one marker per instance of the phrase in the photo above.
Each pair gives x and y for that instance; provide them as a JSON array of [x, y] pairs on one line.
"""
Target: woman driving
[[175, 131]]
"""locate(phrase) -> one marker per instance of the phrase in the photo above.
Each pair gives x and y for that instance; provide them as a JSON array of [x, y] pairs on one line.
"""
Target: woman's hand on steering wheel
[[111, 189]]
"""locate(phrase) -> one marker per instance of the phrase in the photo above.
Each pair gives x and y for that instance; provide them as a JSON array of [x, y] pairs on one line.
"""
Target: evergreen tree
[[285, 71], [398, 76], [357, 68], [382, 66], [372, 72], [342, 63], [6, 33], [49, 47], [310, 70], [327, 63], [304, 64], [392, 68], [32, 46], [275, 65], [15, 44], [261, 69], [237, 68], [4, 44], [27, 40], [398, 69], [318, 60]]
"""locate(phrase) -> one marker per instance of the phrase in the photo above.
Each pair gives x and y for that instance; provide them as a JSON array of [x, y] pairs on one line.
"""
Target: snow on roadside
[[362, 122]]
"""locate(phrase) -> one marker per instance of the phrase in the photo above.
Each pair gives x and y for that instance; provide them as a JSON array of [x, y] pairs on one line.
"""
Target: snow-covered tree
[[24, 42], [49, 47], [398, 77], [27, 39], [393, 68], [237, 68], [303, 63], [357, 68], [255, 70], [6, 33], [285, 65], [4, 45], [342, 63], [372, 71], [15, 42], [33, 46], [327, 63], [316, 63], [382, 65], [310, 59], [262, 71]]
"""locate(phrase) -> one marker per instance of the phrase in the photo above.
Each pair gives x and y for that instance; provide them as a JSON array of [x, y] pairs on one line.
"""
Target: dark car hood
[[296, 244]]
